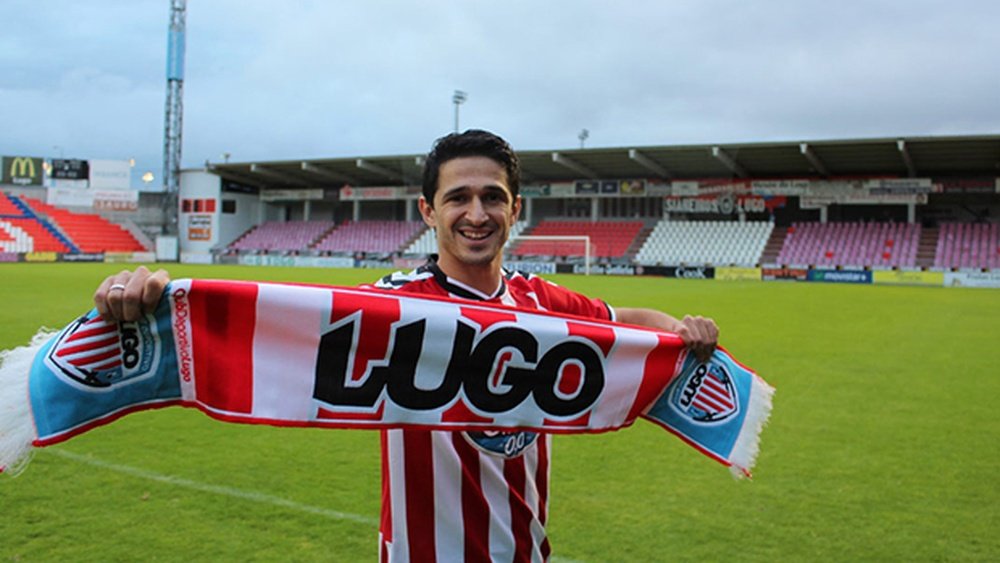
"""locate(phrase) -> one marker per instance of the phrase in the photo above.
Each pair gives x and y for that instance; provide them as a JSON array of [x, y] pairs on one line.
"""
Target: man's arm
[[701, 335]]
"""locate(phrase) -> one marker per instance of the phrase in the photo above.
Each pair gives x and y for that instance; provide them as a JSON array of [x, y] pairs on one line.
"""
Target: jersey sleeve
[[558, 299]]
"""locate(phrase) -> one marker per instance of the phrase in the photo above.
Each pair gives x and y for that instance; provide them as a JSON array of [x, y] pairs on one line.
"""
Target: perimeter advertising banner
[[908, 277], [737, 274], [784, 273], [839, 276], [972, 279]]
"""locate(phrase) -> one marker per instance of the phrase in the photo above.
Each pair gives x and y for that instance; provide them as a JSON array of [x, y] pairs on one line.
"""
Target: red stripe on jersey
[[665, 357], [229, 327], [418, 466], [542, 483], [386, 526], [520, 511], [475, 511], [542, 478]]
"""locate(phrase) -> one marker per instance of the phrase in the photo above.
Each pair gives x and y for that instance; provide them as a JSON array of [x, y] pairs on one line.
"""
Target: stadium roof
[[894, 157]]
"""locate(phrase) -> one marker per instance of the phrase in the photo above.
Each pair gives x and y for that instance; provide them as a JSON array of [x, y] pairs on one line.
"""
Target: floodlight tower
[[173, 116]]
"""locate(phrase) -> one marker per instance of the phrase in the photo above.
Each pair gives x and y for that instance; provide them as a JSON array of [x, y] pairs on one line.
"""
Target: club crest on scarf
[[706, 395], [99, 354]]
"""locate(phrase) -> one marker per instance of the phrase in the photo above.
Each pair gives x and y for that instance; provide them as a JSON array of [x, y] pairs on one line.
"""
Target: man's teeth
[[475, 236]]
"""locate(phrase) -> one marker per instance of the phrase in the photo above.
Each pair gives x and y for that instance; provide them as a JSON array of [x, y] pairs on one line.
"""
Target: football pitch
[[882, 445]]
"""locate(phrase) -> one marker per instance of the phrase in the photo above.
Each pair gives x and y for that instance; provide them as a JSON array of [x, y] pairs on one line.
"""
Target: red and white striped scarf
[[295, 355]]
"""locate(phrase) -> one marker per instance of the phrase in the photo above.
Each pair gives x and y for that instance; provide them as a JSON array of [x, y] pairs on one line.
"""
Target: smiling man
[[482, 496], [453, 496]]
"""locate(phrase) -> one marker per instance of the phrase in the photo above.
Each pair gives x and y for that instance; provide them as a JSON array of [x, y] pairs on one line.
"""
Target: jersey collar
[[459, 289]]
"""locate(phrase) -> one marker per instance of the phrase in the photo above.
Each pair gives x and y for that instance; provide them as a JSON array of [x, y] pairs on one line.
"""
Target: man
[[448, 496]]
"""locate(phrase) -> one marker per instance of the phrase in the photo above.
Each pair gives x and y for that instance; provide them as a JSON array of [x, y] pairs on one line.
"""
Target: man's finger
[[101, 298], [155, 285], [115, 294], [132, 294]]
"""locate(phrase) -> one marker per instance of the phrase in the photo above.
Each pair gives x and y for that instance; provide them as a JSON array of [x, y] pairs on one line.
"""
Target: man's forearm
[[647, 317]]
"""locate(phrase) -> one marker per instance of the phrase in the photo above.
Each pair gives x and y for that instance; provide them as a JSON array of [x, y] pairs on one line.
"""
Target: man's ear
[[516, 208], [427, 212]]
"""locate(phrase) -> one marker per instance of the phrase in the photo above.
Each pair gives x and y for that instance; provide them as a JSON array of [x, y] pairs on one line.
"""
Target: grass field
[[882, 445]]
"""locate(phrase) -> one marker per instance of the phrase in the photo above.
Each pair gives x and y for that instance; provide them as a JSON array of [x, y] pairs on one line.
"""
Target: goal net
[[560, 246]]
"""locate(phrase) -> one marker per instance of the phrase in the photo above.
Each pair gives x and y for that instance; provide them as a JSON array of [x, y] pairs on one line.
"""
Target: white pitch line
[[229, 491], [216, 489]]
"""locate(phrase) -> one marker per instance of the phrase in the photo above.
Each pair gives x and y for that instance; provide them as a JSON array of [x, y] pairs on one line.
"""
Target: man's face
[[473, 211]]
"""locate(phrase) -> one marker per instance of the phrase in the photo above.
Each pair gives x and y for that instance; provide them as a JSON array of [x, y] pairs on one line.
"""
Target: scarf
[[297, 355]]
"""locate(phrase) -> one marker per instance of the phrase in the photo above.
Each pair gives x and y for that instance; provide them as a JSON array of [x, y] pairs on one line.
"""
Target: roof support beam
[[327, 173], [268, 172], [237, 176], [728, 162], [813, 159], [904, 151], [573, 165], [378, 169], [649, 164]]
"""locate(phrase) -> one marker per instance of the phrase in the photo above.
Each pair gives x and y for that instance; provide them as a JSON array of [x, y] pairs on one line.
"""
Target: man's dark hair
[[473, 142]]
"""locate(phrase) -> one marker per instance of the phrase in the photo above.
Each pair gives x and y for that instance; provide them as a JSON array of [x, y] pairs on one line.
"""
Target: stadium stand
[[968, 245], [426, 243], [380, 237], [851, 244], [31, 235], [705, 242], [29, 232], [608, 239], [89, 232], [282, 236], [7, 207]]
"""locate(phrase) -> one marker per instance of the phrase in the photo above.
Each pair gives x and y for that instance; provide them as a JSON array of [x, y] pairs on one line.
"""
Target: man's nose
[[476, 211]]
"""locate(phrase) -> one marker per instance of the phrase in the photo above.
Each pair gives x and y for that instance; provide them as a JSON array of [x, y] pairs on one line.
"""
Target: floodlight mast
[[458, 98], [174, 114]]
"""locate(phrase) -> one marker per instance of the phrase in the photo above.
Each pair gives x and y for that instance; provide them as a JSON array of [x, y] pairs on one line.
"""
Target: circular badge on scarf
[[504, 444]]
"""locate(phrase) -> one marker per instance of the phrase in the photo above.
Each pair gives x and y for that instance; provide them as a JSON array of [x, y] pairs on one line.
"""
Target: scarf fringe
[[17, 428], [747, 446]]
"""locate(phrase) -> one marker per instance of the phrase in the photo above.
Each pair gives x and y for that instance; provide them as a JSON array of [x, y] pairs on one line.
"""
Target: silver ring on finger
[[117, 286]]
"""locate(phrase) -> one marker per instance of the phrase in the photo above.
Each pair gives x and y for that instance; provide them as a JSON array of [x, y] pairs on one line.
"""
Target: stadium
[[875, 450], [914, 211], [880, 341]]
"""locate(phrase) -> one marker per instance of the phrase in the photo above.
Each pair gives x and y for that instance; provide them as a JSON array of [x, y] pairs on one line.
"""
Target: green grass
[[882, 445]]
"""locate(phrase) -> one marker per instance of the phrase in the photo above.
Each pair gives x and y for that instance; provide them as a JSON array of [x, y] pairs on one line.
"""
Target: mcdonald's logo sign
[[22, 170]]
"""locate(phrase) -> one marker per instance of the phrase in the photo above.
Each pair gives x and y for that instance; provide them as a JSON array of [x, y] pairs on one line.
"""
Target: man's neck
[[484, 278]]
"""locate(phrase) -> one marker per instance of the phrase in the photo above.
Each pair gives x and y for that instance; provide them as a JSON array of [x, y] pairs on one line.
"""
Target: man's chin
[[478, 257]]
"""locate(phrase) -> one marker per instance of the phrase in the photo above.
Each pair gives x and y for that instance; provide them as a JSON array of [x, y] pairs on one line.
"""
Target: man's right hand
[[127, 295]]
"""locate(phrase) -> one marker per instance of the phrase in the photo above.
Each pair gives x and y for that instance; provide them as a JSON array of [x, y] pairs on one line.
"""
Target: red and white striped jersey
[[472, 496]]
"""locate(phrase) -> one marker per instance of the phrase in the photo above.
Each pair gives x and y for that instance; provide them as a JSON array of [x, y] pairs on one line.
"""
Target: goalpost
[[585, 239]]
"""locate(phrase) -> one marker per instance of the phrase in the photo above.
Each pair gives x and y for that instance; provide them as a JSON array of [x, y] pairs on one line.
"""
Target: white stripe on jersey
[[448, 522], [398, 550]]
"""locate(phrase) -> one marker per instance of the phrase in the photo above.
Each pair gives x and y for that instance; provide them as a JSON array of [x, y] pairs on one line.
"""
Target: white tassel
[[17, 428], [744, 454]]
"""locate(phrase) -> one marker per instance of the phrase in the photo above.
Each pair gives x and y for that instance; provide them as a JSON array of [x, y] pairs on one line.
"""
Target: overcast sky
[[289, 79]]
